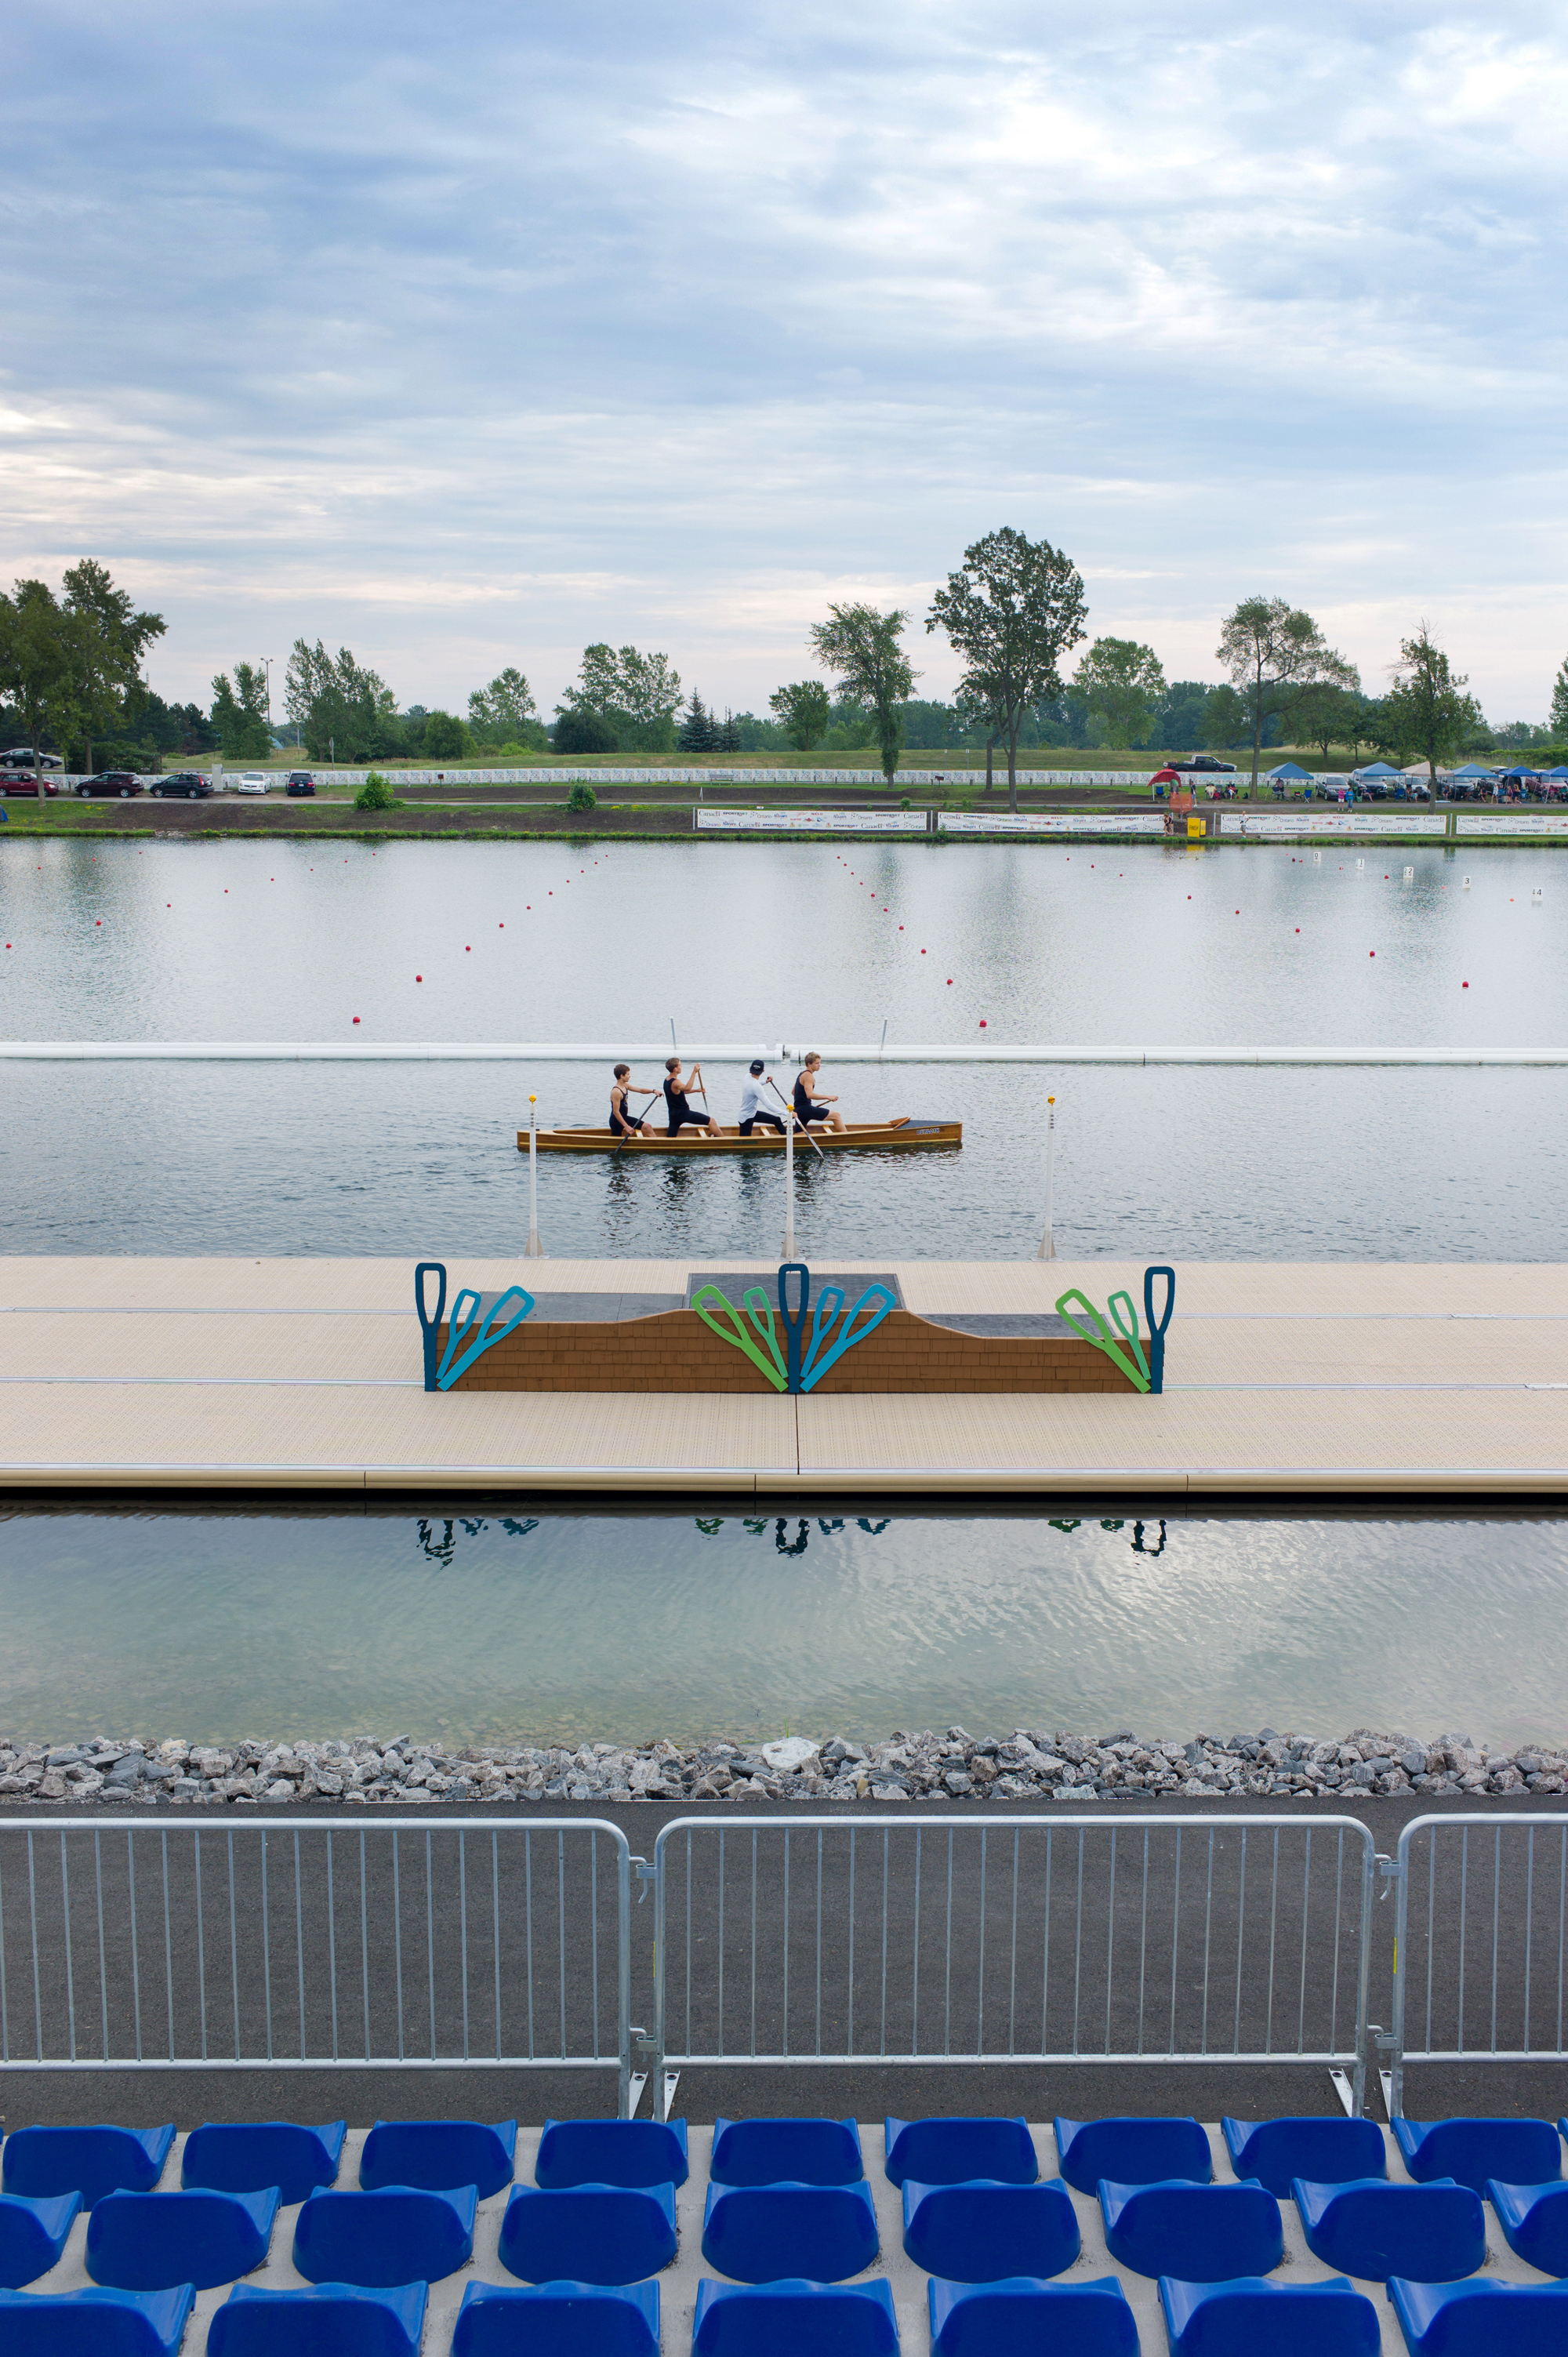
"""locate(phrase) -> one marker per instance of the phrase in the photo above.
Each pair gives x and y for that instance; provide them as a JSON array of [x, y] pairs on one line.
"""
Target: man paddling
[[809, 1108], [682, 1113], [624, 1122], [752, 1107]]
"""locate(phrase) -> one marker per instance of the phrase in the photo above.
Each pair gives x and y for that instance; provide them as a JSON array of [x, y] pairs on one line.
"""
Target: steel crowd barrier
[[354, 1943], [919, 1939]]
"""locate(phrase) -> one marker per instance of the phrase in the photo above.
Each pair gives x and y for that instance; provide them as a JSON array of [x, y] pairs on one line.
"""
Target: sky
[[466, 336]]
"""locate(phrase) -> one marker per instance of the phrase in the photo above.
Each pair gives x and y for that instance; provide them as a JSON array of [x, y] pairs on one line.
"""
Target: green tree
[[861, 647], [1011, 611], [71, 665], [1274, 652], [36, 671], [696, 732], [582, 731], [636, 696], [1426, 708], [1121, 682], [445, 737], [1560, 703], [240, 713], [504, 713], [1327, 716], [1224, 719], [345, 711], [803, 708]]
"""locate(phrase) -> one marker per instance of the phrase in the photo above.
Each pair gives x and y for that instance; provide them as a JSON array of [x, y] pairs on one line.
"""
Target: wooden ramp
[[1332, 1379]]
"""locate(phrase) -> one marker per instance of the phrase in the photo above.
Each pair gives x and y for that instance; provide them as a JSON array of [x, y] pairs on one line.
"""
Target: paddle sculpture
[[1147, 1375], [798, 1366], [461, 1351]]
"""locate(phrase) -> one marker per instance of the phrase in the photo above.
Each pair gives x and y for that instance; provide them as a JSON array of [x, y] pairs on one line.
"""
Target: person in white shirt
[[755, 1096]]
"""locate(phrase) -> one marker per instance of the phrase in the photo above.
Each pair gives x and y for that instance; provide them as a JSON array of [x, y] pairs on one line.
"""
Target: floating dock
[[1281, 1379]]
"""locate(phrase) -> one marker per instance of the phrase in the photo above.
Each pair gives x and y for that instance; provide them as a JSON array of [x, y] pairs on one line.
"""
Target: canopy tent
[[1560, 771], [1520, 774], [1290, 770], [1473, 769], [1376, 769]]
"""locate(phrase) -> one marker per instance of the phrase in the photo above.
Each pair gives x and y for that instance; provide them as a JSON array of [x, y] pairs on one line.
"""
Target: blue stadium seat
[[1299, 2319], [94, 2323], [1132, 2152], [1330, 2151], [761, 2234], [331, 2319], [955, 2151], [612, 2152], [1534, 2220], [1516, 2152], [376, 2241], [1375, 2229], [246, 2155], [435, 2154], [1200, 2233], [1466, 2319], [794, 2318], [588, 2233], [147, 2242], [985, 2233], [772, 2152], [1023, 2318], [89, 2161], [33, 2234], [558, 2320]]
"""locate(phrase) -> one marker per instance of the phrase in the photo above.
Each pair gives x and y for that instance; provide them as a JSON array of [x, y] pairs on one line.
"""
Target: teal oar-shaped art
[[464, 1343], [799, 1367], [1144, 1373]]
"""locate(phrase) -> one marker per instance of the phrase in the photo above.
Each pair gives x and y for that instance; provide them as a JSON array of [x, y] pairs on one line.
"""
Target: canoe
[[907, 1132]]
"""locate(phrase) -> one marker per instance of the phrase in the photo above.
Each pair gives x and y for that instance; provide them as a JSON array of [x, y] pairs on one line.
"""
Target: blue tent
[[1560, 771], [1522, 773], [1290, 770], [1378, 770], [1474, 769]]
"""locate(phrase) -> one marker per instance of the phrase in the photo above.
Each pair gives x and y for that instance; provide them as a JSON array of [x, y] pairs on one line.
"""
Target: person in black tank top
[[624, 1122], [682, 1114], [807, 1108]]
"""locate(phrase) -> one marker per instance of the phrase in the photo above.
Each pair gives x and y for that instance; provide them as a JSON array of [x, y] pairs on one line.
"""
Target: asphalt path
[[1132, 1925]]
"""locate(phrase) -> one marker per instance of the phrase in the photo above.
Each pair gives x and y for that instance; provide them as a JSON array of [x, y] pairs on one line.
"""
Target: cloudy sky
[[463, 335]]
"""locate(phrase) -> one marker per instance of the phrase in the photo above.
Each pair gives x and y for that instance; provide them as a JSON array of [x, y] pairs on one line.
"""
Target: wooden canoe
[[907, 1132]]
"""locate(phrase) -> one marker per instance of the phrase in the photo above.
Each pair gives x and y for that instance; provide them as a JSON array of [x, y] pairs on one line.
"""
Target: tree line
[[72, 681]]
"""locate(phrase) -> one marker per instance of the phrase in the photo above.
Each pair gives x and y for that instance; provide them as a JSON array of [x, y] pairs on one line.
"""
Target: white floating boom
[[508, 1051]]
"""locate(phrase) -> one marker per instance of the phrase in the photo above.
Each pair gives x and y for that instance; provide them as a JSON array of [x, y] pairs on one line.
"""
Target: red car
[[124, 782], [17, 781]]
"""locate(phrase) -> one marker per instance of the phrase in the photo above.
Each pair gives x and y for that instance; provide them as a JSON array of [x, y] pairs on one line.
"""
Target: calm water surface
[[1142, 945], [491, 1624]]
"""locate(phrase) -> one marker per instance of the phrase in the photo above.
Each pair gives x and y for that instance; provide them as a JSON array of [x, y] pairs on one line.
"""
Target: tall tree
[[70, 663], [1327, 715], [1224, 719], [1426, 706], [860, 647], [502, 713], [1274, 652], [1121, 682], [803, 707], [240, 713], [695, 733], [1012, 610], [345, 711], [1560, 703], [636, 696]]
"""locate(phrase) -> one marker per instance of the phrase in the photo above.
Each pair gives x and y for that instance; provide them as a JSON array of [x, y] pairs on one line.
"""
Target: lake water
[[496, 1621], [1089, 943], [483, 1621]]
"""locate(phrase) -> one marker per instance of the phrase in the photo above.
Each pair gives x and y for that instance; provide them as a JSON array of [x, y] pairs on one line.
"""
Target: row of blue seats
[[248, 2156], [801, 2318]]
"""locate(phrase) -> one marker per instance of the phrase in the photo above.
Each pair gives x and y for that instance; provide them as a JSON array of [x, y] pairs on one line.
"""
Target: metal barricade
[[1480, 1922], [918, 1939], [358, 1942]]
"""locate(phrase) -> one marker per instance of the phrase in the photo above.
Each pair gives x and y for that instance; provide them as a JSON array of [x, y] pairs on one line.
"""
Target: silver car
[[250, 782]]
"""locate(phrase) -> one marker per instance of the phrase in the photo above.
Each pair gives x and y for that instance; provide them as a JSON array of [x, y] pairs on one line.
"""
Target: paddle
[[790, 1111]]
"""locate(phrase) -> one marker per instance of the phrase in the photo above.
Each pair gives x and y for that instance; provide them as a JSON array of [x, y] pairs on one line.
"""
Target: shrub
[[585, 732], [376, 795], [581, 796]]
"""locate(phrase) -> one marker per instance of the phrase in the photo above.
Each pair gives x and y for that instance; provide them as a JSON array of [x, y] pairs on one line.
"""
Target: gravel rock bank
[[1028, 1764]]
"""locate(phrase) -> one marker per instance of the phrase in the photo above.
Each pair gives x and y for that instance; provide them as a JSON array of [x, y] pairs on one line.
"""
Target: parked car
[[22, 757], [1204, 761], [123, 782], [188, 782], [250, 782], [18, 782], [300, 781]]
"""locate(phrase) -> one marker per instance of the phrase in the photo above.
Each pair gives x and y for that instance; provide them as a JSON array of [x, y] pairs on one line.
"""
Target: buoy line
[[510, 1051]]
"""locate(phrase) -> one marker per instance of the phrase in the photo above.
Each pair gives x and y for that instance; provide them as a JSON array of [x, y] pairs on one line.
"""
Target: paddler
[[624, 1122], [754, 1103], [809, 1107], [682, 1113]]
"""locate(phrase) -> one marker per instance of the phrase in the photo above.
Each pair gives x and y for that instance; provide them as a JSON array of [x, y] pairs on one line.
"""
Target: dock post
[[1047, 1242], [533, 1250], [790, 1182]]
